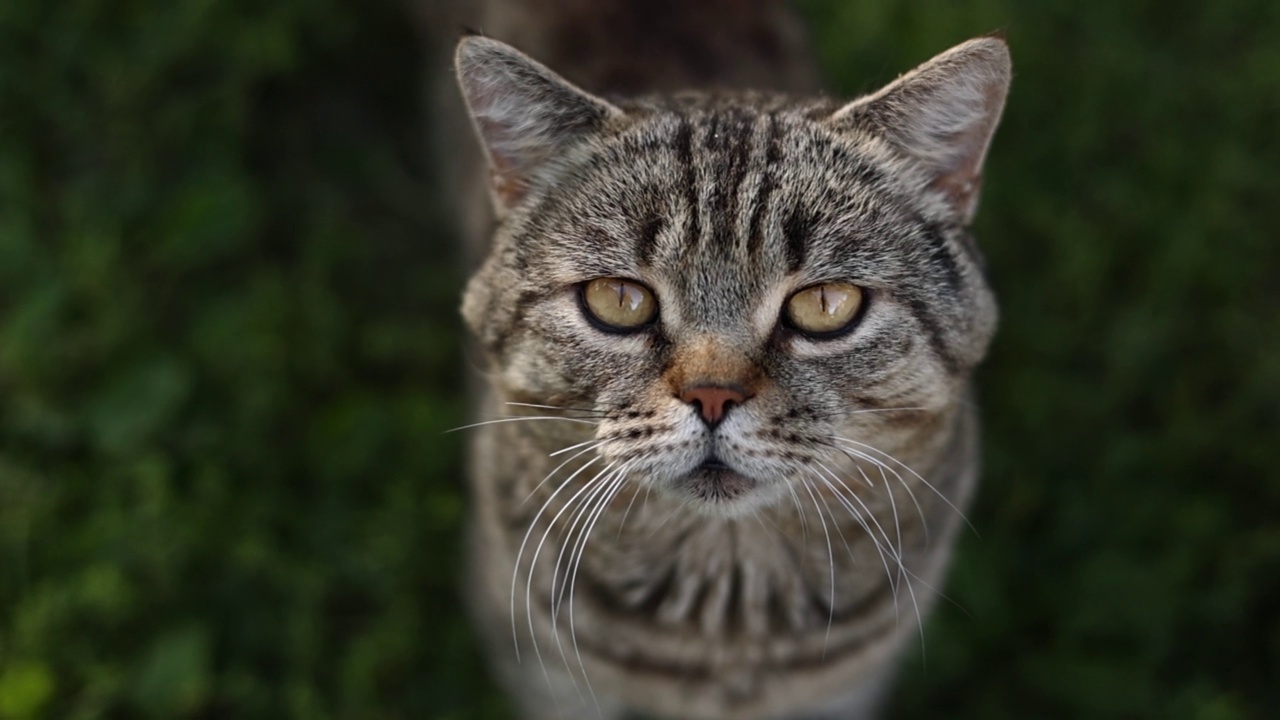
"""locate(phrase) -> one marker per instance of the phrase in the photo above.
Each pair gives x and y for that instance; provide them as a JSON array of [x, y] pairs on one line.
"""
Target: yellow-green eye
[[824, 309], [619, 304]]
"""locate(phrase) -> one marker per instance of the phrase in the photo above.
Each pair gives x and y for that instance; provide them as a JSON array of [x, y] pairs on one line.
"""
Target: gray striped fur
[[787, 588]]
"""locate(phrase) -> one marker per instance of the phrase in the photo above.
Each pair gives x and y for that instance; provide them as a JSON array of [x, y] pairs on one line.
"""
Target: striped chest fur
[[730, 337]]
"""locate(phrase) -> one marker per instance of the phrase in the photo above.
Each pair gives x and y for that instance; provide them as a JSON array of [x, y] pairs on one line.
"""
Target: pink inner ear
[[524, 113], [506, 187], [500, 144], [962, 188], [962, 181]]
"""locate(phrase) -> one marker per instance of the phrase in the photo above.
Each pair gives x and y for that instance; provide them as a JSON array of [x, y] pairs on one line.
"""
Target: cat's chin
[[717, 490]]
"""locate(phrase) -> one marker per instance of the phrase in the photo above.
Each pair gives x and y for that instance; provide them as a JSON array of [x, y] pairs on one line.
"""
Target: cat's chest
[[651, 563]]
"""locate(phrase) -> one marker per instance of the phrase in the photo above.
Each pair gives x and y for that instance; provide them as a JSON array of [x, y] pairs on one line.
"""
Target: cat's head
[[728, 283]]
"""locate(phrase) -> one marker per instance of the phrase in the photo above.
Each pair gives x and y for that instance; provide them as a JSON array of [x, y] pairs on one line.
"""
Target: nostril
[[713, 401]]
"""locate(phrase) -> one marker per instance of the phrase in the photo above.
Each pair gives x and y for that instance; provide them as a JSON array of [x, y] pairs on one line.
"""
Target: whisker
[[627, 513], [855, 454], [919, 477], [804, 523], [859, 518], [515, 573], [549, 475], [592, 411], [835, 525], [904, 574], [533, 563], [849, 453], [600, 483], [562, 451], [831, 564], [617, 484], [520, 418], [860, 502], [864, 411], [893, 505]]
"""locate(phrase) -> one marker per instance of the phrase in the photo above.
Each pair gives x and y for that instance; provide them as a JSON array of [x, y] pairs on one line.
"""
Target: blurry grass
[[228, 348]]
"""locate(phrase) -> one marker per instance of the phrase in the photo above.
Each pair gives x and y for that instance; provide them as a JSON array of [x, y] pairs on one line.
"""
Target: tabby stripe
[[647, 240], [683, 145], [858, 169], [732, 148], [940, 255], [888, 624], [796, 230], [768, 183], [934, 335]]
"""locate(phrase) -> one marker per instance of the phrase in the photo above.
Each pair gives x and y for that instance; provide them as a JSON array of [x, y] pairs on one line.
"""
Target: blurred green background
[[229, 348]]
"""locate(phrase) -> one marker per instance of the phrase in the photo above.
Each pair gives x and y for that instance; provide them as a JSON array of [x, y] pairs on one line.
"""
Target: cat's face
[[731, 286]]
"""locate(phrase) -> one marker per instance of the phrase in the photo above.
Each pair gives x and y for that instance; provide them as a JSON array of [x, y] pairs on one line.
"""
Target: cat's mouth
[[715, 482], [713, 463]]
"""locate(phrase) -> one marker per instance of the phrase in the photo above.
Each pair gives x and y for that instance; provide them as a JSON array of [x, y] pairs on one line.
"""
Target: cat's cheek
[[558, 354]]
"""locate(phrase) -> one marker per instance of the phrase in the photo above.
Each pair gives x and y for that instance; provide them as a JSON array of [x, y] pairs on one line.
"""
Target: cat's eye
[[824, 310], [619, 305]]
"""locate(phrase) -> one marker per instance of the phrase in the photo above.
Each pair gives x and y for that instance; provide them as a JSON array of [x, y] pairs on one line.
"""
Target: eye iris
[[824, 308], [630, 298], [832, 300], [619, 303]]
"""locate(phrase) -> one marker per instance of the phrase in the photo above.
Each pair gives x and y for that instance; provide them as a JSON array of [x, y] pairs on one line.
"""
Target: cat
[[728, 337]]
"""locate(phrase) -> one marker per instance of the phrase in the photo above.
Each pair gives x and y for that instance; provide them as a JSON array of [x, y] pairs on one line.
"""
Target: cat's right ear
[[525, 114]]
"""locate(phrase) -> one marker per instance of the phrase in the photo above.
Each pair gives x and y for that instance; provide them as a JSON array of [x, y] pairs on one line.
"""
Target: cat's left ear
[[943, 113], [525, 114]]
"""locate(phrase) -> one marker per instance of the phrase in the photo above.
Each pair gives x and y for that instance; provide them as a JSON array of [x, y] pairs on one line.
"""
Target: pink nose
[[713, 401]]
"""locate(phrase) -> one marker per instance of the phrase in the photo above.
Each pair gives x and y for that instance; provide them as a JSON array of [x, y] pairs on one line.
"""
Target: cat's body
[[737, 506]]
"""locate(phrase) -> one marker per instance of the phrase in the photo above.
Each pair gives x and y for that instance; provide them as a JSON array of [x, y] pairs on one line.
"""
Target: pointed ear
[[524, 113], [943, 113]]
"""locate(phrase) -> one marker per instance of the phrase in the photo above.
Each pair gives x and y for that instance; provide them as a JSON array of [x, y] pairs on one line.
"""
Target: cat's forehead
[[722, 204], [723, 129], [722, 198]]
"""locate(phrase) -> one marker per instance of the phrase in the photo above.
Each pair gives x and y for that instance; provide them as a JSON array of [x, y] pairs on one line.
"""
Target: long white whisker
[[521, 418], [904, 574], [865, 509], [549, 475], [893, 505], [864, 411], [599, 484], [831, 563], [919, 477], [601, 481], [533, 563], [515, 571], [597, 413], [617, 484], [634, 495], [564, 450], [835, 525], [850, 453], [854, 454], [875, 542], [804, 523]]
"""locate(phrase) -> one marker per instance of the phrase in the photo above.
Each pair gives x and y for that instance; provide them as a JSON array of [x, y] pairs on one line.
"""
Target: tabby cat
[[729, 335]]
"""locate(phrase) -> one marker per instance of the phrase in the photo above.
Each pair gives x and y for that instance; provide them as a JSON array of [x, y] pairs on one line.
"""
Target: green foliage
[[228, 350]]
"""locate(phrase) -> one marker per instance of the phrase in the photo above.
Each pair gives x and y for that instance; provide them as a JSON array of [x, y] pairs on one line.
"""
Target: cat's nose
[[713, 401]]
